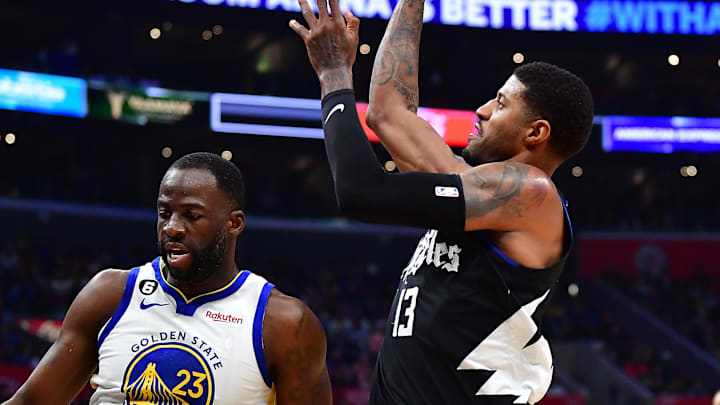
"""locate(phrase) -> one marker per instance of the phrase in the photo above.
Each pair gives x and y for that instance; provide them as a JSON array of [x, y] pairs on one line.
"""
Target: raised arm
[[295, 349], [394, 97], [68, 365], [507, 196], [492, 196]]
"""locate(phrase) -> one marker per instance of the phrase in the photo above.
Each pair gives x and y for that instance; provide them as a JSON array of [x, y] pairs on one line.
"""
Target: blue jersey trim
[[567, 215], [257, 332], [501, 254], [188, 307], [127, 295]]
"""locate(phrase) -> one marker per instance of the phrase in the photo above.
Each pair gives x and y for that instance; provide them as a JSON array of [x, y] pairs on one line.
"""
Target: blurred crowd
[[577, 318]]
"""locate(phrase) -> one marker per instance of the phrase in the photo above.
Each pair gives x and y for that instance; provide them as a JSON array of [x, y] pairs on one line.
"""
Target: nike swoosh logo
[[143, 305], [340, 107]]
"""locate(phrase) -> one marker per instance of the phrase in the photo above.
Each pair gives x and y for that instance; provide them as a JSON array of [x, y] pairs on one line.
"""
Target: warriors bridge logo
[[168, 374]]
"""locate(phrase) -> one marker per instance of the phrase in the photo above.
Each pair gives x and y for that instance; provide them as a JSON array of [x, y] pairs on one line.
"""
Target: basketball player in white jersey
[[189, 327]]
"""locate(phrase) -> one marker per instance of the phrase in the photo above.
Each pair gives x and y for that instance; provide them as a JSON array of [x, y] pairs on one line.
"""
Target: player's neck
[[542, 162], [227, 272]]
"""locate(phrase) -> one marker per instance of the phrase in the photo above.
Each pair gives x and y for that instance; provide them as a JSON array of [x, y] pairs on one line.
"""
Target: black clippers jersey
[[463, 328]]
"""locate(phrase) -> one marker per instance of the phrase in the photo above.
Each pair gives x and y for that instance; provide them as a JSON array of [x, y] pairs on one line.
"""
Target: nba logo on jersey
[[443, 191], [169, 373]]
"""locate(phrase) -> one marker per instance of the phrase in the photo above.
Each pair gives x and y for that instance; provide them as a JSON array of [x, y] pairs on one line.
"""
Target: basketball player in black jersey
[[463, 328]]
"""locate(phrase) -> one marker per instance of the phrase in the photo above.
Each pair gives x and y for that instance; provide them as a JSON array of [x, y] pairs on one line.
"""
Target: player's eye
[[164, 214], [193, 216]]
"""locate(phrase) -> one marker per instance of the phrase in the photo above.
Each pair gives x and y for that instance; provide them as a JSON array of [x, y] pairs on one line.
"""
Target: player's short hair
[[228, 176], [562, 99]]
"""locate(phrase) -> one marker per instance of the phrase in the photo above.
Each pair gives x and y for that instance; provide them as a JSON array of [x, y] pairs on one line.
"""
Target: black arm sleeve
[[367, 193]]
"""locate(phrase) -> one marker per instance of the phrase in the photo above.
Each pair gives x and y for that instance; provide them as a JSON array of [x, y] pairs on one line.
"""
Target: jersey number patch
[[403, 325]]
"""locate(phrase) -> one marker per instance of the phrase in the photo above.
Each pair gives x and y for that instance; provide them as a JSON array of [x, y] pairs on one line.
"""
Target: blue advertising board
[[622, 16], [660, 134], [48, 94]]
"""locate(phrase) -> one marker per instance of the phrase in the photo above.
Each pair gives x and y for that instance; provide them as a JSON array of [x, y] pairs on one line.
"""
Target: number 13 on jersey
[[405, 312]]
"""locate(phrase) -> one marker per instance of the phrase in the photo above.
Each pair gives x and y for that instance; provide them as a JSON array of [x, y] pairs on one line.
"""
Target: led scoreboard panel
[[623, 16]]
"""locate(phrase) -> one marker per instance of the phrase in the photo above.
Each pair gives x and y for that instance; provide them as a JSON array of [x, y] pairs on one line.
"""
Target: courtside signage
[[302, 118], [661, 134], [622, 16], [47, 94]]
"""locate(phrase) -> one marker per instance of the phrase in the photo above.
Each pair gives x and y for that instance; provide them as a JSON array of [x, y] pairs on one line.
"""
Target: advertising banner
[[621, 16], [301, 118], [41, 93], [682, 255], [661, 134], [149, 105]]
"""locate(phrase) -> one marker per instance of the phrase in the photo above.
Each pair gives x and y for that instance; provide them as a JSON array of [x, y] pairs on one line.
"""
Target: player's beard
[[205, 262]]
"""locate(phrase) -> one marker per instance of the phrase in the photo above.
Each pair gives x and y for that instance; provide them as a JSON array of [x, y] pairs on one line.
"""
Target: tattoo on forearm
[[408, 92], [399, 57], [335, 80], [384, 69], [507, 188]]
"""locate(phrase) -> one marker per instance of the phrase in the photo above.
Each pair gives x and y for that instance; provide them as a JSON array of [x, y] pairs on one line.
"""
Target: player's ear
[[539, 133], [236, 222]]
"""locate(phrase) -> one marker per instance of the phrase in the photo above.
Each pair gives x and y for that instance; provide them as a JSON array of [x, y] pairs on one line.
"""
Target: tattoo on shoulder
[[298, 327], [506, 188]]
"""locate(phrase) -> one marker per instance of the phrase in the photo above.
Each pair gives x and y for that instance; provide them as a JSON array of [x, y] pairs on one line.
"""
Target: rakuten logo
[[225, 318]]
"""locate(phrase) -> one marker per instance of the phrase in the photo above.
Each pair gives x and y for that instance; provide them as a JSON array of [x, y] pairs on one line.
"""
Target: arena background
[[636, 317]]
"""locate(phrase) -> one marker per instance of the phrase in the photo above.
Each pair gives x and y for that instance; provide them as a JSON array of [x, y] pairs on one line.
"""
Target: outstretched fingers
[[308, 14], [299, 29], [322, 9], [335, 10], [353, 23]]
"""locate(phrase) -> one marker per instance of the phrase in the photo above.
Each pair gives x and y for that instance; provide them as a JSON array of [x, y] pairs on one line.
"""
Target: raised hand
[[331, 43]]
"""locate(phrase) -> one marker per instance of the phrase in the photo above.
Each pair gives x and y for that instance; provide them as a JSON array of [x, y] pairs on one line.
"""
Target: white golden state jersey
[[163, 349]]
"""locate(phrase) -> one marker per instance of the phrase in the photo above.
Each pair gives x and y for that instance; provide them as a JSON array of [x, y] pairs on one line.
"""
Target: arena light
[[217, 29], [692, 171], [673, 60], [166, 152], [207, 35], [390, 166], [364, 49], [155, 33], [573, 290], [226, 154], [518, 58], [577, 171], [10, 138]]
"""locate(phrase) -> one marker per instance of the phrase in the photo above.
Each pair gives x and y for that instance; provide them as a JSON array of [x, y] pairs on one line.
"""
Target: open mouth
[[478, 133], [178, 255]]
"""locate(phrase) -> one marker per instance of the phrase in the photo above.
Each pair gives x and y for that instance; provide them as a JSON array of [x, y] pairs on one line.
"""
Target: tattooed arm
[[295, 349], [394, 96], [507, 196]]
